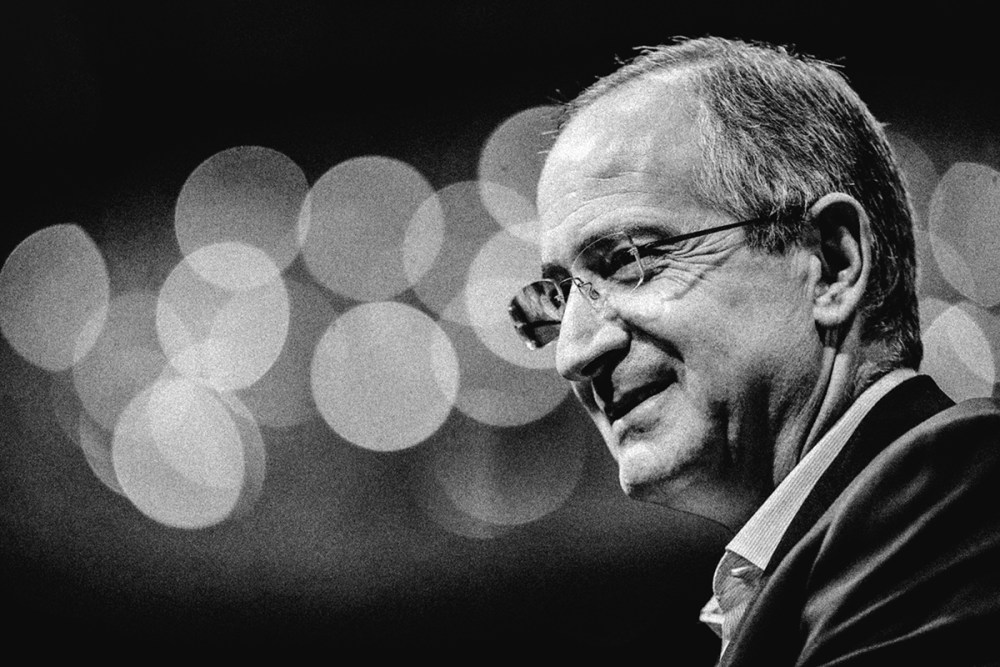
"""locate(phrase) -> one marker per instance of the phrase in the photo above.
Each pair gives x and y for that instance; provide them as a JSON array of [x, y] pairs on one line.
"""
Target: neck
[[832, 393], [837, 394]]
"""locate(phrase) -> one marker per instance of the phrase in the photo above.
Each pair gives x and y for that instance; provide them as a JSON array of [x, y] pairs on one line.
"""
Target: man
[[729, 280]]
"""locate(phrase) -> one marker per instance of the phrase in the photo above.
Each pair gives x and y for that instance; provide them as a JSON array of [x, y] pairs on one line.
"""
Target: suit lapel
[[905, 406]]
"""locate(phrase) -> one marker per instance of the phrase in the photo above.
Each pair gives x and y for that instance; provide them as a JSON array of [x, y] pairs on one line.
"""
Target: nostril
[[591, 370], [608, 358], [581, 359]]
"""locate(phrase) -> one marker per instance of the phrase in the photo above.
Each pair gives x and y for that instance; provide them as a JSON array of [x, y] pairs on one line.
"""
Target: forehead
[[632, 152]]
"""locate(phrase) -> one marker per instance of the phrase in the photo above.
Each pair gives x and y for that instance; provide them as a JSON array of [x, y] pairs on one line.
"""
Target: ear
[[842, 258]]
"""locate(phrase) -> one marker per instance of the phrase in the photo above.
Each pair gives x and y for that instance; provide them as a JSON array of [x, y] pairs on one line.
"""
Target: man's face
[[695, 375]]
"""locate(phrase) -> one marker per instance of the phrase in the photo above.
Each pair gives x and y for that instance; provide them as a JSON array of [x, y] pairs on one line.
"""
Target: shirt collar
[[759, 537]]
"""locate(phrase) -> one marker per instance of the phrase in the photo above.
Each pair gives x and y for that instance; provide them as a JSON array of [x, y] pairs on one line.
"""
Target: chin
[[692, 489], [665, 473], [661, 489], [653, 481]]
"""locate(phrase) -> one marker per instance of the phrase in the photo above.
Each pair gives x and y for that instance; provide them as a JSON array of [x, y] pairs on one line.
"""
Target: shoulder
[[953, 453], [940, 478], [900, 567], [906, 556]]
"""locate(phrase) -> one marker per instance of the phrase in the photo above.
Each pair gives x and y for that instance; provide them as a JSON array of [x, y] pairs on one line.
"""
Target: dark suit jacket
[[894, 559]]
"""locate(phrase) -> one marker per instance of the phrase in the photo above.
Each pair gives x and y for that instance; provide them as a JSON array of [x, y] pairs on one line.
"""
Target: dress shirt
[[740, 573]]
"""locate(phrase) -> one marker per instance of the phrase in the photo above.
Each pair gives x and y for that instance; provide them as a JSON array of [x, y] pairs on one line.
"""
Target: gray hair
[[779, 131]]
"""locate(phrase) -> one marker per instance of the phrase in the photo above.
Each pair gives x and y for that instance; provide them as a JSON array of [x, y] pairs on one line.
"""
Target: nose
[[589, 339]]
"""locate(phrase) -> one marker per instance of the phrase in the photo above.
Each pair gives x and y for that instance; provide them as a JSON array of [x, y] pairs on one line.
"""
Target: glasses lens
[[537, 311], [608, 265], [604, 267], [611, 266]]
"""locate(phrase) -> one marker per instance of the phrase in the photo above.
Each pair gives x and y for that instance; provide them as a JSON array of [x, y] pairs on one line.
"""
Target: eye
[[622, 264], [654, 257]]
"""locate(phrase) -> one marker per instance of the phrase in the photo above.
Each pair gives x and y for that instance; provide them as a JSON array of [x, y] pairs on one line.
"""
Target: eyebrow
[[677, 237], [554, 271], [660, 232], [663, 229], [659, 229]]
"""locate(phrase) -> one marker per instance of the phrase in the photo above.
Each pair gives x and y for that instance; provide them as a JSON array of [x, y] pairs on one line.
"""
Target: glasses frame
[[524, 326]]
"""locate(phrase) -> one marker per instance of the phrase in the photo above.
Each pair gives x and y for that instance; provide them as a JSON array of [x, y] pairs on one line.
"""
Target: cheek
[[767, 319], [727, 347]]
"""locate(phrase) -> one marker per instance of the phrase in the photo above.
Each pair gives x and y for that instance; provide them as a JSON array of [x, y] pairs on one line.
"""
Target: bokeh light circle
[[246, 194], [95, 443], [964, 219], [503, 265], [282, 398], [495, 392], [918, 171], [960, 351], [514, 476], [125, 359], [930, 308], [467, 226], [54, 295], [442, 510], [234, 267], [223, 315], [953, 273], [354, 223], [513, 157], [64, 406], [254, 453], [384, 376], [929, 279], [179, 456], [513, 211], [423, 239]]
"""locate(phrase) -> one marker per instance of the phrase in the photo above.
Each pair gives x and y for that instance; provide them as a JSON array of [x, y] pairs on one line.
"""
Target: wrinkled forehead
[[640, 139]]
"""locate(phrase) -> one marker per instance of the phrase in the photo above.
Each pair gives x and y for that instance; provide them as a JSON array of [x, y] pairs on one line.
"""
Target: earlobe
[[843, 258]]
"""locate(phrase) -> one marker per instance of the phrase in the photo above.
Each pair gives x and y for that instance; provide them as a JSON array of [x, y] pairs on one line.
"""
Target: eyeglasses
[[610, 266]]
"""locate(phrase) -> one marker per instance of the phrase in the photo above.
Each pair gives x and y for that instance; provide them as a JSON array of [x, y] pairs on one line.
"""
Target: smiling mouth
[[615, 410]]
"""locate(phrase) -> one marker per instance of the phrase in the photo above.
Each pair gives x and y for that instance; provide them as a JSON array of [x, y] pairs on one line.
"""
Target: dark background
[[112, 106]]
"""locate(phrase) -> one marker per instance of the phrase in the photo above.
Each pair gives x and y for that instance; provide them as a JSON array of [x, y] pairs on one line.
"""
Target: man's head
[[705, 362]]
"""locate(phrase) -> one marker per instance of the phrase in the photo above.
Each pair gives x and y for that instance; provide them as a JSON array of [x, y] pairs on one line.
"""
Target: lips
[[616, 408]]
